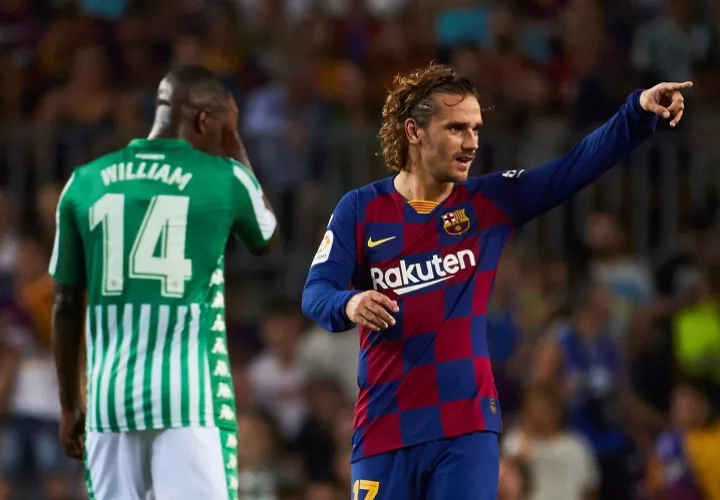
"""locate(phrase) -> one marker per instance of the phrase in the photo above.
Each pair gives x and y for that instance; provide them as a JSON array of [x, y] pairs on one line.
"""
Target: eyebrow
[[461, 124]]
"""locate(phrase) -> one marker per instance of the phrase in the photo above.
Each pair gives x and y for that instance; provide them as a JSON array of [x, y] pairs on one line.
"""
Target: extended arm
[[233, 147], [525, 194]]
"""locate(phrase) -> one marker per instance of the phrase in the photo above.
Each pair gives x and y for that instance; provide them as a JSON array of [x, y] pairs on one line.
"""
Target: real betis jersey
[[144, 229]]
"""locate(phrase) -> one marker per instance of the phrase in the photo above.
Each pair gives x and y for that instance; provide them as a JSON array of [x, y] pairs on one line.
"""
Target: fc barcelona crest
[[456, 222]]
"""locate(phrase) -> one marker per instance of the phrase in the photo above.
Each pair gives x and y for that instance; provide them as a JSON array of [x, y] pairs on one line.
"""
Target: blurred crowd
[[607, 363]]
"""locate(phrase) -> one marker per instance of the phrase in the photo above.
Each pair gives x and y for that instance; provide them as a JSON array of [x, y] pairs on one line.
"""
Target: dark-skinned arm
[[67, 333], [67, 267]]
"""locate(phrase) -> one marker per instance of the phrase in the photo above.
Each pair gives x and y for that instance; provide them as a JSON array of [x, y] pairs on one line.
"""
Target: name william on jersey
[[157, 172]]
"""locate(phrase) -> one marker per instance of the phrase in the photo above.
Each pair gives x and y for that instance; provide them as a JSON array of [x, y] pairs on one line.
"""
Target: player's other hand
[[666, 100], [72, 433], [371, 310]]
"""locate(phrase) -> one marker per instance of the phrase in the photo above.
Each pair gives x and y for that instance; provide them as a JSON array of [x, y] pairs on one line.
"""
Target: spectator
[[584, 362], [259, 444], [9, 241], [86, 98], [332, 355], [315, 443], [670, 45], [514, 481], [696, 334], [670, 470], [628, 281], [276, 375], [562, 465], [34, 409]]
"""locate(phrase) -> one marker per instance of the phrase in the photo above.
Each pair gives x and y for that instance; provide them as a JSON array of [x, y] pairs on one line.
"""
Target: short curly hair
[[411, 97]]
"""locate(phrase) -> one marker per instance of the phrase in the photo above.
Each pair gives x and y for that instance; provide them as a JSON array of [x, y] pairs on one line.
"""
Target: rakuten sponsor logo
[[407, 278]]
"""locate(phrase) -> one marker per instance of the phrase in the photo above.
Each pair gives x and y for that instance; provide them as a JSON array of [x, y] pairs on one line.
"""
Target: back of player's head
[[411, 97], [193, 104], [192, 84]]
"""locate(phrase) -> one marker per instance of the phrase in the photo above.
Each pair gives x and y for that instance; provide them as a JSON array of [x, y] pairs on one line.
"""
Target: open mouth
[[464, 161]]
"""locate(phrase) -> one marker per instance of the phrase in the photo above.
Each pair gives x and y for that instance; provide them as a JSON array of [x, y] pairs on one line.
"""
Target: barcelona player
[[411, 260]]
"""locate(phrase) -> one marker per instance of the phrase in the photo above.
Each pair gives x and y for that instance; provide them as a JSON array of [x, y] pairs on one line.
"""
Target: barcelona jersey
[[428, 377]]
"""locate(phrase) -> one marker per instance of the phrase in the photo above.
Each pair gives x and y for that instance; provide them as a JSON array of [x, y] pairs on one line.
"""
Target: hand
[[666, 100], [72, 433], [370, 309]]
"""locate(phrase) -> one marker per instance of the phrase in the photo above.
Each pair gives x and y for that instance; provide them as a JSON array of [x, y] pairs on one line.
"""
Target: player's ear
[[201, 122], [412, 131]]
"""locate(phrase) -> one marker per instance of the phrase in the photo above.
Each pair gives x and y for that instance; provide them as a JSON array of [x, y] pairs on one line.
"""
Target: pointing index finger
[[678, 85]]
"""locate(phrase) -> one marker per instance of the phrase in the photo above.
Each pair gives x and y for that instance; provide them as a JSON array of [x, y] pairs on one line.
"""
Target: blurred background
[[605, 320]]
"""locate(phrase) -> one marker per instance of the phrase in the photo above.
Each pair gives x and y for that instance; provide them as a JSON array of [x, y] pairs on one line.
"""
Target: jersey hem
[[228, 428], [356, 456]]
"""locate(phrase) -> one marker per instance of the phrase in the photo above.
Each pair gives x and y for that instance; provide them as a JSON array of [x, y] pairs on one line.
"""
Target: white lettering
[[140, 174], [121, 172], [406, 278], [162, 174], [129, 174], [109, 175], [180, 179]]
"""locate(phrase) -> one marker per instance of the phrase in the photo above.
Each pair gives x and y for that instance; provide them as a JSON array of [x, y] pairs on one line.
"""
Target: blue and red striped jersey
[[428, 377]]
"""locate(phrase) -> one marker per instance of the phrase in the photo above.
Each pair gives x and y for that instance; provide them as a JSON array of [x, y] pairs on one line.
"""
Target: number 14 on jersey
[[164, 226]]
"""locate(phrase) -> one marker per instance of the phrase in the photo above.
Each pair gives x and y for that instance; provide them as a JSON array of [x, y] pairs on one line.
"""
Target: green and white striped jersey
[[144, 229]]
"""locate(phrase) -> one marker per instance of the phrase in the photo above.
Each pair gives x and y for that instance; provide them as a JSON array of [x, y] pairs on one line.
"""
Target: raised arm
[[254, 221], [525, 194]]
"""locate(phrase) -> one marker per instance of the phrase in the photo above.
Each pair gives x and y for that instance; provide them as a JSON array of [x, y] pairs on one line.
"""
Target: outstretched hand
[[666, 100]]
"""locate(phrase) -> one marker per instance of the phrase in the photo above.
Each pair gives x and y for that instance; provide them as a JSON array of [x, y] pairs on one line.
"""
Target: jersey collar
[[159, 143]]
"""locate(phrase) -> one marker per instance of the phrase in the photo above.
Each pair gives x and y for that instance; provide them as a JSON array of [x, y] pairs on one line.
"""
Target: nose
[[470, 141]]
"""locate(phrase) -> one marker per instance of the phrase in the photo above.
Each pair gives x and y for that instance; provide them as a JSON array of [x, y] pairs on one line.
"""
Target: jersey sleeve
[[525, 194], [253, 222], [326, 290], [67, 264]]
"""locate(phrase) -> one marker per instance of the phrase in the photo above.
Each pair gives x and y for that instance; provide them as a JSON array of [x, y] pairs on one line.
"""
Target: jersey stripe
[[193, 371], [265, 218], [142, 347], [151, 367], [97, 369], [111, 363], [209, 400], [123, 365], [175, 382], [157, 368]]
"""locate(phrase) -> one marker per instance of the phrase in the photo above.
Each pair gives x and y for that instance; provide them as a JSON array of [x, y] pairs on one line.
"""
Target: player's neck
[[421, 186]]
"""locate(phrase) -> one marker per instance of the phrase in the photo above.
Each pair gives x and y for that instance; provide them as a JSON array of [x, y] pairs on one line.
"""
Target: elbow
[[267, 248], [317, 306], [310, 304]]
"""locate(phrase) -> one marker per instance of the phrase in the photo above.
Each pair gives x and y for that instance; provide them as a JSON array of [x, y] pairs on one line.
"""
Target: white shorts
[[174, 464]]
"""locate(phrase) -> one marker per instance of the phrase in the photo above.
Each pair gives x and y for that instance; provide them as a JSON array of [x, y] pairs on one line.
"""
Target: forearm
[[325, 305], [67, 331]]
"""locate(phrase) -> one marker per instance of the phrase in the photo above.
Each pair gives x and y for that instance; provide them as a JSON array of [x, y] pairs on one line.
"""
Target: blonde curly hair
[[411, 97]]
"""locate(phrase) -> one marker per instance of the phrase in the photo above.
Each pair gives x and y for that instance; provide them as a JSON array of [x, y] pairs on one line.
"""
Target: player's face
[[450, 140]]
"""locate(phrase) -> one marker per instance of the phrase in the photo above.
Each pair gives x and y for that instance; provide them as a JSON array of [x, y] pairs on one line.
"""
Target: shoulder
[[85, 172]]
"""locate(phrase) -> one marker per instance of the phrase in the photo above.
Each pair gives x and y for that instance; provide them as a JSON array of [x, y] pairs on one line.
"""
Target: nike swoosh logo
[[373, 244]]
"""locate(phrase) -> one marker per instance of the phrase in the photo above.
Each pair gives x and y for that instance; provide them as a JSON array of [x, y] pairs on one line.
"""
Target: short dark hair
[[197, 82], [411, 97]]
